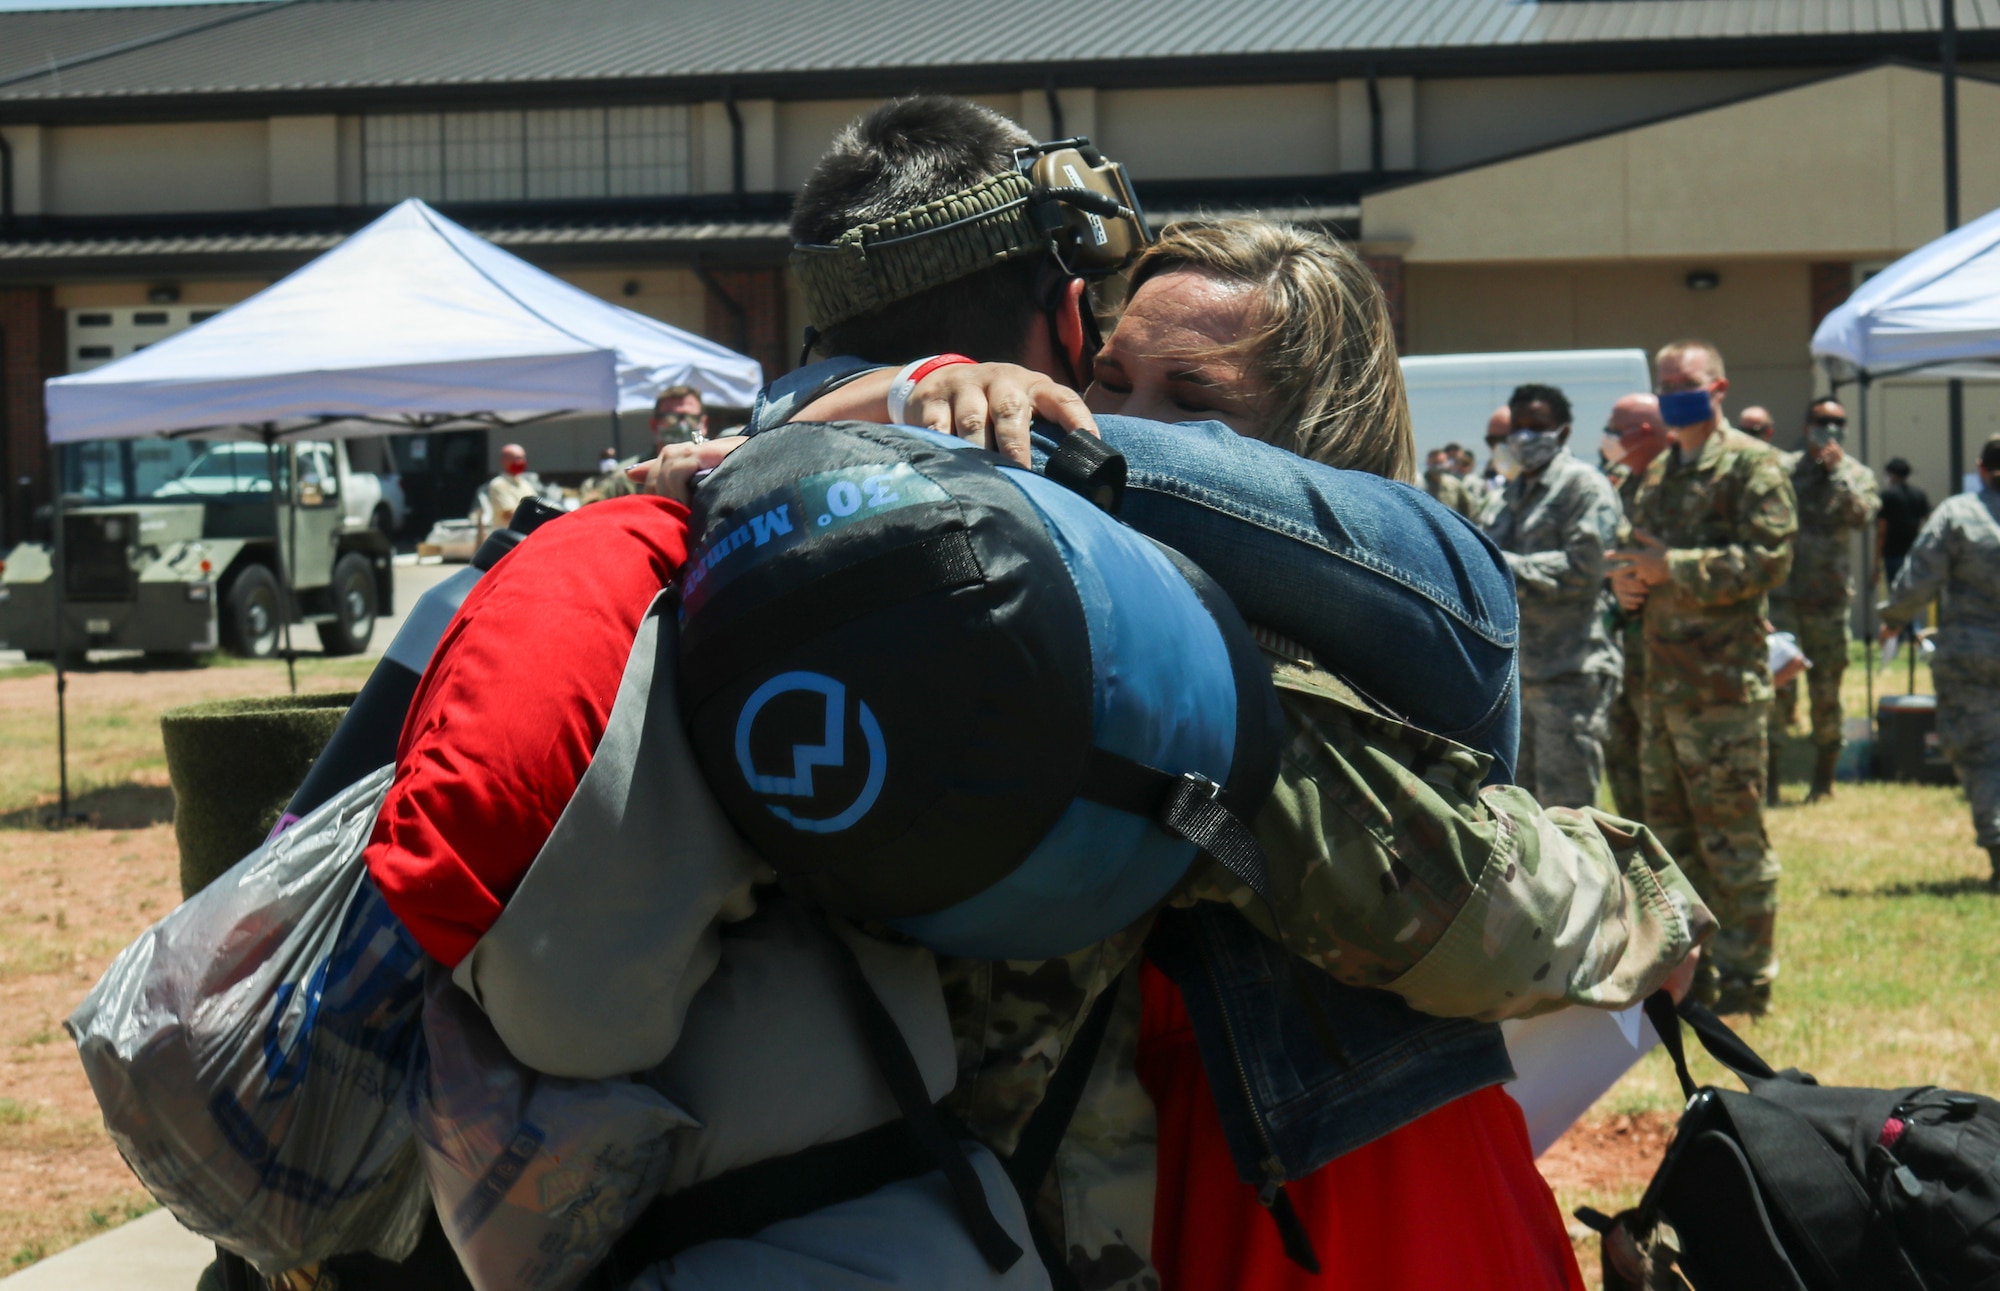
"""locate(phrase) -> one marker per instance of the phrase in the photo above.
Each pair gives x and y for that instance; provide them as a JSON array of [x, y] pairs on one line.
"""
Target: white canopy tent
[[413, 321], [410, 324], [1933, 315]]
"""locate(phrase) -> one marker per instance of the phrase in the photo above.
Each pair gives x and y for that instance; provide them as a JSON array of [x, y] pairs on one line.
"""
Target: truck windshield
[[121, 471]]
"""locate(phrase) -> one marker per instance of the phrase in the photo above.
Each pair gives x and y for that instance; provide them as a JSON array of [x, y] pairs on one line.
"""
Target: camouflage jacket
[[1832, 506], [1554, 530], [1392, 869], [1956, 555], [1451, 491], [1727, 519]]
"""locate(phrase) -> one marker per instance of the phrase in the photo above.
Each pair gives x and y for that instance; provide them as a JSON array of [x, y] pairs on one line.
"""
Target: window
[[536, 155]]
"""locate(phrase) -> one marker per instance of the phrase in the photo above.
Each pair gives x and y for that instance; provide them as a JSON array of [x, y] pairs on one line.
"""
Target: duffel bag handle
[[1087, 467], [1723, 1045]]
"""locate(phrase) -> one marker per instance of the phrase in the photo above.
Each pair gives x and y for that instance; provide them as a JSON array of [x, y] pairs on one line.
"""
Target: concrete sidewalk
[[152, 1252]]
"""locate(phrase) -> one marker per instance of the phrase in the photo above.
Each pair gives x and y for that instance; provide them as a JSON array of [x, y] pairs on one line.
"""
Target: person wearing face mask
[[1837, 498], [497, 498], [1633, 437], [1712, 536], [678, 417], [1554, 523]]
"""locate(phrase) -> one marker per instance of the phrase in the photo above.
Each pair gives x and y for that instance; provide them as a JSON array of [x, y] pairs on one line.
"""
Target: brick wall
[[760, 330], [31, 351]]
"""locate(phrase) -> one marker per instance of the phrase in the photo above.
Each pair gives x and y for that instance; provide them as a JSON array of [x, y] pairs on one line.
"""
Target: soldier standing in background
[[1555, 521], [1633, 437], [1756, 420], [1443, 482], [1958, 554], [1836, 499], [1713, 535]]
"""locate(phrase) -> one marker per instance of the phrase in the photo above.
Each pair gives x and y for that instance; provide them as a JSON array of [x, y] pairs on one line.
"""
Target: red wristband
[[906, 380]]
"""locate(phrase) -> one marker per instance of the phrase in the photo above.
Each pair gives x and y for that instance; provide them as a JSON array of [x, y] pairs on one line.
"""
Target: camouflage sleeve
[[1923, 574], [1392, 868], [1589, 527], [1855, 497], [1761, 556]]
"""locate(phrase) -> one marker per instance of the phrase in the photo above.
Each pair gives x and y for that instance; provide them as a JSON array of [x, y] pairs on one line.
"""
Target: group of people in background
[[1650, 585]]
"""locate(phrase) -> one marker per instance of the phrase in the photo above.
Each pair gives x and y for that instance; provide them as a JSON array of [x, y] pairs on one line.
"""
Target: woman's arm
[[991, 404]]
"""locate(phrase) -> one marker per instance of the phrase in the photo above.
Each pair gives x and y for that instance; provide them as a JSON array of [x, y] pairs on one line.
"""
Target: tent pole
[[617, 436], [1867, 580], [284, 566], [62, 676]]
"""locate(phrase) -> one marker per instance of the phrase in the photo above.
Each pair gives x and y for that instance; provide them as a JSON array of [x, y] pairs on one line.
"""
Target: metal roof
[[385, 48]]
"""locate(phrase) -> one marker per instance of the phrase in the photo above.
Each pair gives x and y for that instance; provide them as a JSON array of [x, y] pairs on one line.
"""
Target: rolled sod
[[234, 764]]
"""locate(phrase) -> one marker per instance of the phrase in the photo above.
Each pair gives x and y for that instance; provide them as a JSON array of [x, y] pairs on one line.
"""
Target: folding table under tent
[[1933, 315], [413, 323]]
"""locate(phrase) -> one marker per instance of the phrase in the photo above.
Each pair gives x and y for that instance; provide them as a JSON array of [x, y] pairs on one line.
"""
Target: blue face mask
[[1686, 408]]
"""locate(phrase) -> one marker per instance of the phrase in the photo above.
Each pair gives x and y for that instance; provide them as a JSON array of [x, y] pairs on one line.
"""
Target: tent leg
[[1867, 579], [62, 674], [284, 566]]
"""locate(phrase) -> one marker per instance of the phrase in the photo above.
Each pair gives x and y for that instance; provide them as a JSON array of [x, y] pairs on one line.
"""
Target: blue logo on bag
[[830, 752]]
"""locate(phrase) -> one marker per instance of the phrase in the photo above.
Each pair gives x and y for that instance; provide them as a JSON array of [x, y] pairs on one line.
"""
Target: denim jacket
[[1413, 606]]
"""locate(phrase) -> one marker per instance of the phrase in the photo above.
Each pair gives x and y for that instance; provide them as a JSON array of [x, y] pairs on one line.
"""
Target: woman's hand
[[990, 404], [671, 474]]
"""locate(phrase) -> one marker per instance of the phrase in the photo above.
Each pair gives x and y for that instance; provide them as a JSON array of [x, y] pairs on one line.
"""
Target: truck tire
[[250, 614], [352, 592]]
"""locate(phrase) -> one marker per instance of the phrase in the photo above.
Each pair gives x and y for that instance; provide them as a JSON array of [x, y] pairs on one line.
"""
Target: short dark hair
[[1557, 401], [901, 155], [1989, 455], [676, 392], [1454, 448], [1897, 466]]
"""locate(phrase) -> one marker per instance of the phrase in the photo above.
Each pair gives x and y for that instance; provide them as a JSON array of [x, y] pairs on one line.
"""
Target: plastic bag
[[534, 1176], [251, 1051]]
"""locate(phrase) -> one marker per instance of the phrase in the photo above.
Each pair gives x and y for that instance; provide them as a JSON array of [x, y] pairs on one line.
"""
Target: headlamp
[[1063, 197]]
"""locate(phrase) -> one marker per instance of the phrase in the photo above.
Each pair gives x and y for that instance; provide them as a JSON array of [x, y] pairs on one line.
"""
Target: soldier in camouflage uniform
[[1442, 482], [1633, 437], [1837, 498], [1554, 523], [1957, 555], [1714, 527]]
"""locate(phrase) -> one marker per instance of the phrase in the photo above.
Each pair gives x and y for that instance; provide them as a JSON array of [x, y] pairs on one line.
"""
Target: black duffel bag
[[1795, 1186]]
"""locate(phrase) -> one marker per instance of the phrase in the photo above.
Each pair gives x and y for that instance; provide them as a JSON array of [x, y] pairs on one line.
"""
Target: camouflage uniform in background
[[1479, 495], [1628, 711], [1554, 528], [1451, 491], [1727, 519], [1812, 604], [1392, 868], [1957, 555]]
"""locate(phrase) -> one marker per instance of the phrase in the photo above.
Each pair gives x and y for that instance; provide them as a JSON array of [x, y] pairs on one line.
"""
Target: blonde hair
[[1680, 349], [1323, 349]]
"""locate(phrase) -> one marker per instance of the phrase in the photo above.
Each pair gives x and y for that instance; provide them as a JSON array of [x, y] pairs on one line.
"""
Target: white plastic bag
[[534, 1176], [250, 1051]]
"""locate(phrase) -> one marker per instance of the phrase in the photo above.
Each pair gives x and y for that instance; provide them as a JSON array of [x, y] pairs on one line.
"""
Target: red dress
[[1450, 1202]]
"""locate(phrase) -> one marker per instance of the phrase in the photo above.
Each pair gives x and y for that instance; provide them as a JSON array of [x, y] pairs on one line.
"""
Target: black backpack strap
[[1035, 1150], [1191, 807], [1087, 466], [906, 1084], [1723, 1044]]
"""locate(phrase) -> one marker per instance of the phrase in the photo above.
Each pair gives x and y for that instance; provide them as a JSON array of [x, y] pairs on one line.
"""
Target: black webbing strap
[[938, 563], [745, 1201], [1724, 1045], [906, 1084], [1035, 1149], [1088, 467], [1190, 807]]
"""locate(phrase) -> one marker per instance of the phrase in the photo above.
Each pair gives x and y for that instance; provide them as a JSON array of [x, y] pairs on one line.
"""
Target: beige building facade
[[1547, 176]]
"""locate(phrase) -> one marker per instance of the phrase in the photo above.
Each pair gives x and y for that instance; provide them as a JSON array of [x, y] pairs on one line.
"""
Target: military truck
[[171, 547]]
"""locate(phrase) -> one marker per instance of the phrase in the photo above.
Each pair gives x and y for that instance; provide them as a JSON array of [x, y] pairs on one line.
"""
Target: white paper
[[1565, 1061]]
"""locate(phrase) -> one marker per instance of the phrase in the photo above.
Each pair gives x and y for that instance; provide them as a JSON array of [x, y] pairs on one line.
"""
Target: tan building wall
[[1750, 179], [1760, 316], [153, 169]]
